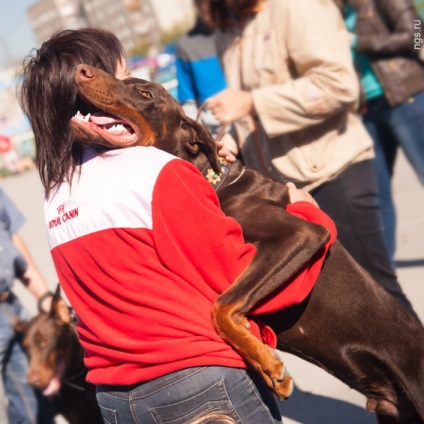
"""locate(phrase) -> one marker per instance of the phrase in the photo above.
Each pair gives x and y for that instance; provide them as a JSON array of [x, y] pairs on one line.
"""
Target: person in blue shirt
[[24, 405], [199, 72]]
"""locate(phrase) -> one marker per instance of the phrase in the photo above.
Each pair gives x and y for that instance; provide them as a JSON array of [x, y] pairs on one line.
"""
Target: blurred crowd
[[316, 106]]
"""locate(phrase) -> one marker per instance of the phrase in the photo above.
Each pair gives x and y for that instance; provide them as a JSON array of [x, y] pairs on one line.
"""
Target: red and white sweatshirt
[[142, 250]]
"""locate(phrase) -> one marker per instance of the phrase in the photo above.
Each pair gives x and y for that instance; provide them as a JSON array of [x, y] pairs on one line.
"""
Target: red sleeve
[[311, 213], [195, 239], [296, 290], [192, 235]]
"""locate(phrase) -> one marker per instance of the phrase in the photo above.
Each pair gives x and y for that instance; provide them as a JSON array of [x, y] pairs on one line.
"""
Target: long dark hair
[[48, 95], [222, 15]]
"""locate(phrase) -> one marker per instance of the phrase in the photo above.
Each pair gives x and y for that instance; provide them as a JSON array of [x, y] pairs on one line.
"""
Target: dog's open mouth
[[55, 383], [112, 129]]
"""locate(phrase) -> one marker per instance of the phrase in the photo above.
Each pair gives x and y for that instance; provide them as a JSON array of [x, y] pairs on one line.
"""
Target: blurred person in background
[[199, 72], [24, 405], [293, 96], [386, 51]]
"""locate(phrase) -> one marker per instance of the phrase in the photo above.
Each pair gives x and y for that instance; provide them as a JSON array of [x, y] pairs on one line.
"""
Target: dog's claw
[[283, 373], [283, 385], [285, 392]]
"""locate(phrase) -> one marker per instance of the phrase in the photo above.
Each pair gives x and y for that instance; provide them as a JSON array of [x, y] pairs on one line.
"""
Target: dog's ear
[[19, 326], [201, 140], [59, 309]]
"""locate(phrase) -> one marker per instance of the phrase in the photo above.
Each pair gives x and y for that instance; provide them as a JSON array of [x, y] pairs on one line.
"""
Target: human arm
[[189, 227], [24, 266], [323, 82], [188, 223], [32, 277], [231, 105], [304, 206], [400, 17]]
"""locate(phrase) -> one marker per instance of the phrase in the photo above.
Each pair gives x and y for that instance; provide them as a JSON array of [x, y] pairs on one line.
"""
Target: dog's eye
[[44, 343], [145, 93], [41, 340]]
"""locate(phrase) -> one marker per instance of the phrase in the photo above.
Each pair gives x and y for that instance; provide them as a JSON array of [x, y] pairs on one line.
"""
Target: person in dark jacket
[[387, 44]]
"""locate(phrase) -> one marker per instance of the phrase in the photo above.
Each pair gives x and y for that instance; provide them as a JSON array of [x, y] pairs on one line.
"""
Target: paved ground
[[319, 398]]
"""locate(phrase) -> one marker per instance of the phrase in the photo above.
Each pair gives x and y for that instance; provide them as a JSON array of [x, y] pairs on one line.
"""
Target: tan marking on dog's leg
[[231, 326]]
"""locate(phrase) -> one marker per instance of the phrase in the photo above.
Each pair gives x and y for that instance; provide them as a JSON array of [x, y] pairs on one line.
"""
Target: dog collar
[[214, 178]]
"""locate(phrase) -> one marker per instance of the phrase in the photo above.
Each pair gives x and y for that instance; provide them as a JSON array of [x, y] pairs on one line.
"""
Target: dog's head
[[50, 340], [137, 112]]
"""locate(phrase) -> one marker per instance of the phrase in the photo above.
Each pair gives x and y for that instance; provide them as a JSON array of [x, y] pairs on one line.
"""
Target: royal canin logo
[[63, 216]]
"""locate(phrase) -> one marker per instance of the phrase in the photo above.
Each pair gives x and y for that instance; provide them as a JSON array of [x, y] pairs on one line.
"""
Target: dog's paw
[[283, 389], [282, 385]]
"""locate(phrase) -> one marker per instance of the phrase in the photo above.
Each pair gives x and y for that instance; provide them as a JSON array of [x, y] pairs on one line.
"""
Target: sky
[[16, 36]]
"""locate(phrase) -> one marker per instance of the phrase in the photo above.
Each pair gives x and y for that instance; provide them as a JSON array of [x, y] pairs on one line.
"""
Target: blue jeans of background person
[[25, 406], [207, 394], [391, 127], [351, 201], [22, 408]]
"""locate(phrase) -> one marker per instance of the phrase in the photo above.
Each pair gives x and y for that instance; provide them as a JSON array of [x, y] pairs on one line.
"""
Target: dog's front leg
[[233, 326]]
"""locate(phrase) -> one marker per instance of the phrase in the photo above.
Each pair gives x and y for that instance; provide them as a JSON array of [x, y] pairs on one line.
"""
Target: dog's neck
[[217, 180]]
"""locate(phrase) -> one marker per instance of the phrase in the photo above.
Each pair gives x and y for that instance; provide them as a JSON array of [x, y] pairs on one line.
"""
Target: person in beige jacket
[[293, 96]]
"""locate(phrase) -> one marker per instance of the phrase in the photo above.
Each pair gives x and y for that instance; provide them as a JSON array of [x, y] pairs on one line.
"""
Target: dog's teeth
[[81, 117], [116, 128]]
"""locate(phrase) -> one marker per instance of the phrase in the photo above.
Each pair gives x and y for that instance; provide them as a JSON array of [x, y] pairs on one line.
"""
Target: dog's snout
[[33, 378], [85, 72]]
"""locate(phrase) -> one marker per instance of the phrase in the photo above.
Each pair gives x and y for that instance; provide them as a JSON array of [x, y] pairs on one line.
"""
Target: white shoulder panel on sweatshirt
[[112, 190]]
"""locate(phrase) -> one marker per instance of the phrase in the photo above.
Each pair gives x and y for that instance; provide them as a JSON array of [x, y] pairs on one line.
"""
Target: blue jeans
[[22, 406], [391, 127], [23, 402], [200, 394]]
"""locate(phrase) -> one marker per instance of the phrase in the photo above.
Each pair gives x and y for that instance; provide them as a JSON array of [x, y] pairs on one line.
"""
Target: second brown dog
[[56, 365]]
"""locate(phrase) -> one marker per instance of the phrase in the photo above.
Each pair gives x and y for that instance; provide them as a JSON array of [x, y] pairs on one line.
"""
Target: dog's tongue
[[53, 387], [55, 382], [103, 118]]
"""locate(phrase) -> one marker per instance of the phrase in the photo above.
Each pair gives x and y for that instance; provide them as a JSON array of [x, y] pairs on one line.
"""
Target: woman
[[293, 96], [136, 260]]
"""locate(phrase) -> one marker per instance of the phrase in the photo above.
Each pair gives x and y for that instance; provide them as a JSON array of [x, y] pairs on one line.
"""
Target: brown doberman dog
[[56, 366], [348, 326]]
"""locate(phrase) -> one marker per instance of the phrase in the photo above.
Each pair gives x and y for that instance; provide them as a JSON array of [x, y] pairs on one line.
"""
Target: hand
[[300, 195], [227, 148], [230, 105]]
